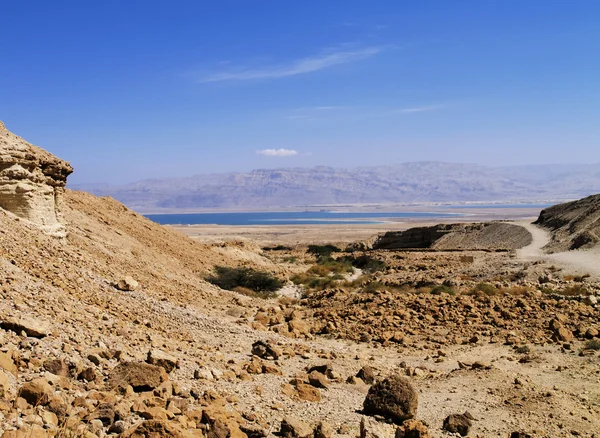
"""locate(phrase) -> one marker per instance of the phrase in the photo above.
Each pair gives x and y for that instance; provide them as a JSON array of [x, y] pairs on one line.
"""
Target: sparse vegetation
[[574, 290], [243, 280], [322, 252], [367, 263], [442, 289], [277, 248], [592, 344], [486, 288]]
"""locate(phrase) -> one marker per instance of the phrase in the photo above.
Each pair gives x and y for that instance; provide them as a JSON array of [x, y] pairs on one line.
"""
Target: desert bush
[[592, 345], [313, 282], [322, 252], [486, 288], [442, 289], [515, 290], [288, 301], [290, 259], [277, 248], [366, 263], [580, 278], [574, 290], [373, 286], [258, 282]]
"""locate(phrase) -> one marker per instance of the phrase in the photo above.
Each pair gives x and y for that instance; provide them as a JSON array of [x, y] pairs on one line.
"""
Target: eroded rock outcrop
[[32, 182], [574, 225], [474, 236]]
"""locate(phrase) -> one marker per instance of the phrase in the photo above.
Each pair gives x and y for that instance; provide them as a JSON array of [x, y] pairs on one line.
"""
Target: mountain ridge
[[429, 181]]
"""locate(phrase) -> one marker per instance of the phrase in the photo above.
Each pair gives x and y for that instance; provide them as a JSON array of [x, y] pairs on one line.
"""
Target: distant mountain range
[[401, 183]]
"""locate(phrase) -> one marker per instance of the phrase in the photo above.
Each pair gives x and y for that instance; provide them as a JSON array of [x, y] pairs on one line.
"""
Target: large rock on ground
[[31, 327], [371, 428], [162, 359], [141, 376], [413, 429], [393, 398], [36, 393], [32, 182], [153, 429], [458, 423], [292, 427]]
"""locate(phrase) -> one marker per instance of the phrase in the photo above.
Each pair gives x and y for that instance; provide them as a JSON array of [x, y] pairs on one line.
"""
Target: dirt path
[[581, 262]]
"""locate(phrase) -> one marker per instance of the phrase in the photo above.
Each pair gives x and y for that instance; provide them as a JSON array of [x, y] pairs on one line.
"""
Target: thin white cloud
[[277, 152], [311, 64], [419, 109]]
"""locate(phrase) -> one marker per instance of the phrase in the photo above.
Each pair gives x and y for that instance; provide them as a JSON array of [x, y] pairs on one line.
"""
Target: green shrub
[[231, 278], [322, 252], [592, 345], [486, 288], [277, 248], [442, 289], [367, 263]]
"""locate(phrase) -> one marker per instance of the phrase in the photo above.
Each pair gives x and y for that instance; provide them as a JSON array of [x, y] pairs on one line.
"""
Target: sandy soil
[[578, 262]]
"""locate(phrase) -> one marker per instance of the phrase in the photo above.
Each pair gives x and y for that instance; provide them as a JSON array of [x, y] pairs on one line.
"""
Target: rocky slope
[[402, 183], [574, 225], [485, 236]]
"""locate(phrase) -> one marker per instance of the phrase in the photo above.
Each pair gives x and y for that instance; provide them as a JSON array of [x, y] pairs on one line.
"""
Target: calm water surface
[[288, 218]]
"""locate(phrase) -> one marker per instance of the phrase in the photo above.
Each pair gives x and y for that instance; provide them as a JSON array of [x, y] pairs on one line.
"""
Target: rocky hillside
[[110, 330], [574, 225], [402, 183], [482, 236]]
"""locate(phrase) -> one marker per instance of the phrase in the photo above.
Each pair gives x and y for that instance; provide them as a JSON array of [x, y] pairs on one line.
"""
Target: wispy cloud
[[419, 109], [277, 152], [326, 59]]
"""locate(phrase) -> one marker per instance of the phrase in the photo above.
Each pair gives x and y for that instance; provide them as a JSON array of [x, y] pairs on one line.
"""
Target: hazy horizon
[[338, 168], [136, 90]]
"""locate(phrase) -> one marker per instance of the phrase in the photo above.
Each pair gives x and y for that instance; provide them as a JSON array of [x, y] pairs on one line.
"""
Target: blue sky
[[129, 89]]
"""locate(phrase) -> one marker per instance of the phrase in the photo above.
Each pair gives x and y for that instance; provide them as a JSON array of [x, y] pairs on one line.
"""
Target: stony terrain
[[112, 330]]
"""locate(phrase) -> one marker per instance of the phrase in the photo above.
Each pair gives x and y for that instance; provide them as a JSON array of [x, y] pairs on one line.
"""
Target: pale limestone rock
[[32, 182]]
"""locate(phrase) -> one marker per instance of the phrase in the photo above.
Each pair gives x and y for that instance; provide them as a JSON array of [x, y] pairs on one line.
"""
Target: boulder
[[8, 364], [393, 398], [140, 376], [127, 284], [366, 374], [292, 427], [457, 423], [56, 366], [323, 430], [318, 380], [413, 429], [162, 359], [265, 350], [308, 392], [31, 327], [371, 428], [36, 393], [153, 429]]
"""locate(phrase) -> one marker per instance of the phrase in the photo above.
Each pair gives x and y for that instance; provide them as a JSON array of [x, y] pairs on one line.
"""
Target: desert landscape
[[112, 325]]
